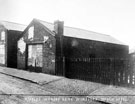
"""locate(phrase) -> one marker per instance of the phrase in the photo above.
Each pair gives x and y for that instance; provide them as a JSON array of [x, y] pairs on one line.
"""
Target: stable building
[[44, 46], [9, 34]]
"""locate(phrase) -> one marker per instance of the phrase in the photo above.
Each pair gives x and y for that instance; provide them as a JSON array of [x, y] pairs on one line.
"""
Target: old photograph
[[67, 52]]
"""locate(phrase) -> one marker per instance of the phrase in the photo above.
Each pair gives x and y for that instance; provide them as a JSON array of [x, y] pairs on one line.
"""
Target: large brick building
[[9, 35], [43, 46]]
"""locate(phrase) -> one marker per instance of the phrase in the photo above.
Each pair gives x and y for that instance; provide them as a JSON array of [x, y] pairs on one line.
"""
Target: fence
[[108, 71]]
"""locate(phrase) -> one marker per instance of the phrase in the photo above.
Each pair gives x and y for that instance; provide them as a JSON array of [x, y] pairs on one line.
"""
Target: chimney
[[60, 62], [59, 27]]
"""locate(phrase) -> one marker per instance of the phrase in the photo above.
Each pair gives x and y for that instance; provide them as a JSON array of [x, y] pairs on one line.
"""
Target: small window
[[31, 33], [74, 43], [3, 35], [46, 38]]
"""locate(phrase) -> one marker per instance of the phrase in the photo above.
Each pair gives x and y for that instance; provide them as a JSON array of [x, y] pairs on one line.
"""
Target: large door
[[35, 57]]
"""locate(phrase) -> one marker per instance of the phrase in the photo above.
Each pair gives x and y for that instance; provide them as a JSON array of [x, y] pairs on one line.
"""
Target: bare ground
[[17, 91]]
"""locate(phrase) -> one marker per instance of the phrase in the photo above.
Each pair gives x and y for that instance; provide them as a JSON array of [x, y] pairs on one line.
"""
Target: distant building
[[42, 44], [132, 57], [132, 53], [9, 35]]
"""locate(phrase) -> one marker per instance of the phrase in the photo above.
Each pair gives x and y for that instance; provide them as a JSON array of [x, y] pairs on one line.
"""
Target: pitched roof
[[13, 26], [83, 34]]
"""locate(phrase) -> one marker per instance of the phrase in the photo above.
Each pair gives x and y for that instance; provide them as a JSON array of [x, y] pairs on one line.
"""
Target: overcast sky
[[112, 17]]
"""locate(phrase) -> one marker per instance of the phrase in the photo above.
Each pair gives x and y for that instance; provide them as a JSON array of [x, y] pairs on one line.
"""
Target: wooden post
[[64, 72]]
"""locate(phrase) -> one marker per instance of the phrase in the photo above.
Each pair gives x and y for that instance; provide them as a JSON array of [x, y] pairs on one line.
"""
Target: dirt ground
[[17, 91]]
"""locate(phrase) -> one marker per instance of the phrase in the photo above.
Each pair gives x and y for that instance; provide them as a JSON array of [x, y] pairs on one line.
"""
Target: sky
[[111, 17]]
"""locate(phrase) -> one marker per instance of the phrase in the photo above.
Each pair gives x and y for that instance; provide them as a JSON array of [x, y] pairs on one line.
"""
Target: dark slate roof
[[83, 34], [12, 26]]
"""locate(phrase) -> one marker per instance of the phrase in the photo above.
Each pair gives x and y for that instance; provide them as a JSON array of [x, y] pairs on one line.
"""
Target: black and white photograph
[[67, 52]]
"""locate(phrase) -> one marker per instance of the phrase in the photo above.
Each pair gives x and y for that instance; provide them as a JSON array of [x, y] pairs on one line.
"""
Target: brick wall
[[42, 36]]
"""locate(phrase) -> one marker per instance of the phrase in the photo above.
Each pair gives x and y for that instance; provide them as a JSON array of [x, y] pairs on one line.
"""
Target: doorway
[[35, 57]]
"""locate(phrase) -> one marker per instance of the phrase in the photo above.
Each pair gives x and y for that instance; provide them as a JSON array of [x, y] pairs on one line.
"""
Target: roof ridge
[[43, 21], [12, 22], [12, 25], [75, 28], [88, 31]]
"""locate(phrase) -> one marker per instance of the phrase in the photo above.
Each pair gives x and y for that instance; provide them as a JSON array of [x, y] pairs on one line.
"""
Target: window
[[3, 35], [2, 54], [31, 33], [46, 38], [21, 45], [74, 43]]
